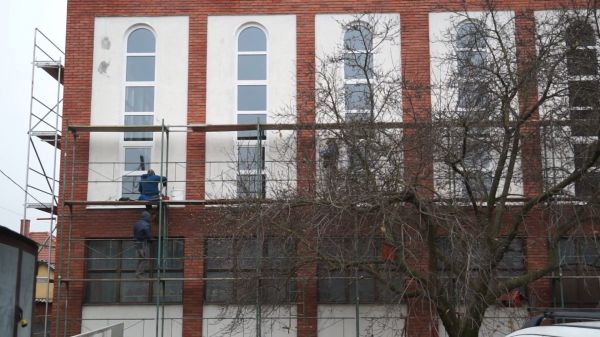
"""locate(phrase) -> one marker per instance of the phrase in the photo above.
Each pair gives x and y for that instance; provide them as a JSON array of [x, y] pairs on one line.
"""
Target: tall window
[[138, 107], [584, 104], [251, 109], [358, 90], [577, 284], [231, 270], [474, 105], [113, 263]]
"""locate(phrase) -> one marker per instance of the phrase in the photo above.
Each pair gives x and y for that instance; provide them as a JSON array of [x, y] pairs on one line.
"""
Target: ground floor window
[[111, 272]]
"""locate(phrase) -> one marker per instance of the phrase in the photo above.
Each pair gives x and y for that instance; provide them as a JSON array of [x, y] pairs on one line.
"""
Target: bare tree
[[440, 210]]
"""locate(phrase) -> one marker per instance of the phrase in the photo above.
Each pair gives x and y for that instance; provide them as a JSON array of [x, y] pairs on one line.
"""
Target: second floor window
[[138, 107], [251, 109]]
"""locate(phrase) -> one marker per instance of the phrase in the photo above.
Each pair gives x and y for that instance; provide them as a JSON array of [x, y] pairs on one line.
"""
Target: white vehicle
[[532, 327]]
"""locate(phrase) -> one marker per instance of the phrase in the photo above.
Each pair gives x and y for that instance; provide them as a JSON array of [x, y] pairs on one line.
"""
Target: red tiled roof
[[42, 239]]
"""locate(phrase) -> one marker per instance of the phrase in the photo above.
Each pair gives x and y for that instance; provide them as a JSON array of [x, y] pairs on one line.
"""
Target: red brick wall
[[193, 222]]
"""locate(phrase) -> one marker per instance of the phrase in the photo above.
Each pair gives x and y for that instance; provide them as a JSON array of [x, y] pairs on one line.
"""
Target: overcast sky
[[18, 19]]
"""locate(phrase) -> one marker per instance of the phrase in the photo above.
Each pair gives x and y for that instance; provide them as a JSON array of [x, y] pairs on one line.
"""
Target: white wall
[[375, 320], [276, 322], [108, 97], [139, 319], [221, 99], [442, 30]]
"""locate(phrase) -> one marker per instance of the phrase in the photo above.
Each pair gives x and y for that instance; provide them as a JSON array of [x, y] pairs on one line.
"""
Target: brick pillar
[[534, 224], [306, 298], [193, 289]]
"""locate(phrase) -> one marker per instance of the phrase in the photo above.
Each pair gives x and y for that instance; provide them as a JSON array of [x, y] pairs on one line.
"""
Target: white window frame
[[136, 143]]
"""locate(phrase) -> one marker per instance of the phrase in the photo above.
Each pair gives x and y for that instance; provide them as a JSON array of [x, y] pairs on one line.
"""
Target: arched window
[[584, 100], [251, 89], [140, 73], [358, 69], [471, 56], [474, 104]]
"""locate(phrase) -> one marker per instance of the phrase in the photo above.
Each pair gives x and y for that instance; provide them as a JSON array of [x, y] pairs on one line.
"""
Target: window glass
[[133, 291], [580, 34], [252, 39], [137, 158], [130, 187], [358, 65], [251, 185], [138, 120], [139, 99], [251, 119], [102, 254], [471, 35], [140, 68], [358, 37], [252, 67], [248, 250], [219, 290], [583, 93], [101, 291], [581, 62], [252, 97], [249, 157], [218, 252], [141, 40], [357, 97]]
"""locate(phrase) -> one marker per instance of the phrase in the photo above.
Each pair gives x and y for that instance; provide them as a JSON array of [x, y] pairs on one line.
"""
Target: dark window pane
[[332, 287], [173, 254], [251, 119], [357, 97], [252, 39], [582, 62], [101, 291], [583, 93], [140, 68], [173, 289], [252, 67], [130, 187], [251, 185], [358, 37], [219, 290], [247, 254], [137, 158], [513, 259], [588, 184], [103, 254], [141, 40], [134, 291], [218, 253], [366, 288], [585, 122], [138, 120], [245, 287], [129, 260], [358, 65], [580, 34], [139, 99], [252, 97], [249, 158]]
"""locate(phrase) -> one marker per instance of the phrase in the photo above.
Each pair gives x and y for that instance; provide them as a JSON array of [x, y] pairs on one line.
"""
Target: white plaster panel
[[375, 320], [108, 99], [139, 320], [240, 321], [442, 28], [221, 76], [329, 43]]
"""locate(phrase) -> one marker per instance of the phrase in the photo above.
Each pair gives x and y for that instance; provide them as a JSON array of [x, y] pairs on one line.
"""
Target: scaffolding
[[45, 120]]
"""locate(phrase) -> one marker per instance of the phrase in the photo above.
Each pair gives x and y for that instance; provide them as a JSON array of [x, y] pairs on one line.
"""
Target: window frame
[[120, 270], [145, 143]]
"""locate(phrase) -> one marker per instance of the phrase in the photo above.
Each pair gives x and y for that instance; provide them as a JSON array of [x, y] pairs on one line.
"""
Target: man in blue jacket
[[149, 186], [142, 237]]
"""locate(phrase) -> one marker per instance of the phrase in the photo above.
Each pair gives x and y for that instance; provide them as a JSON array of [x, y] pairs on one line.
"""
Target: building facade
[[211, 95]]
